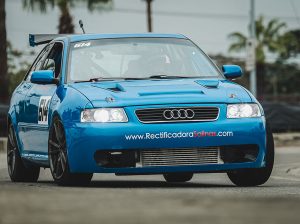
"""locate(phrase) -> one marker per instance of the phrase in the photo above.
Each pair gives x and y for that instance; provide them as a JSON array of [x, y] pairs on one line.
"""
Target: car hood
[[155, 92]]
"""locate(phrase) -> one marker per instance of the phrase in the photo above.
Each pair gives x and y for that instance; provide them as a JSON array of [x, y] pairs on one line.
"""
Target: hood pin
[[232, 95], [109, 99]]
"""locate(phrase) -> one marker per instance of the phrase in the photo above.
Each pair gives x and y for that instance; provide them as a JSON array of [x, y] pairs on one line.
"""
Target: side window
[[54, 59], [38, 61]]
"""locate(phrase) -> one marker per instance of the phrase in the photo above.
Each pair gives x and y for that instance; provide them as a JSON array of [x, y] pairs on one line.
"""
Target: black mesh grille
[[177, 114]]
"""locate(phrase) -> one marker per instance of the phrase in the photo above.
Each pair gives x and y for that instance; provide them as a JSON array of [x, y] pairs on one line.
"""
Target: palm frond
[[101, 5], [239, 41], [236, 47], [40, 5], [237, 35]]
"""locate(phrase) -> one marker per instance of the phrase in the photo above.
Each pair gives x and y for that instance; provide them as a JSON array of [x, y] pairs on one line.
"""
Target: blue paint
[[232, 71], [68, 100], [42, 77]]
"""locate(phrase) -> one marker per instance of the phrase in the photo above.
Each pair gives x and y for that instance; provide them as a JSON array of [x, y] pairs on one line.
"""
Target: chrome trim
[[181, 114], [180, 157], [175, 121]]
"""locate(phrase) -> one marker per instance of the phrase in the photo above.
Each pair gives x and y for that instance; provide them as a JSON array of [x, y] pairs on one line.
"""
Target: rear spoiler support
[[38, 39]]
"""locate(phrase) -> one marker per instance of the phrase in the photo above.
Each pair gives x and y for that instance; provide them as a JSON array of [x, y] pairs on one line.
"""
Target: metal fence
[[292, 99], [282, 116]]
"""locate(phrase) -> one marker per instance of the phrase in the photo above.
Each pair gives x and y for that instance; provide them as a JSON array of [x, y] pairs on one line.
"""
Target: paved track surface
[[208, 198]]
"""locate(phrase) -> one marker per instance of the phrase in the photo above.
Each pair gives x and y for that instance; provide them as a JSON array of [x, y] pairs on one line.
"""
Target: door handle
[[27, 86]]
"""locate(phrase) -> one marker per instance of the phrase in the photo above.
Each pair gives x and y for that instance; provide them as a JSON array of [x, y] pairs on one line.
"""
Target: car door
[[20, 99], [38, 101]]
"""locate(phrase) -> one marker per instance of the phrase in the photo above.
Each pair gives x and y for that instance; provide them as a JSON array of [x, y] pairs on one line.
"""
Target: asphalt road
[[208, 198]]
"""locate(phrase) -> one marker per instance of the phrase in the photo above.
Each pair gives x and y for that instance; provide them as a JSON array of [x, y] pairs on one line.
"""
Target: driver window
[[38, 62], [53, 60]]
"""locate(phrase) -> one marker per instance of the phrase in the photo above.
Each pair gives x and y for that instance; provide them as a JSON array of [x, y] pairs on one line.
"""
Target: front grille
[[177, 114], [180, 157]]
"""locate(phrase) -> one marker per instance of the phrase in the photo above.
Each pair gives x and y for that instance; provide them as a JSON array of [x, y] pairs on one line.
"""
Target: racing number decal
[[44, 104]]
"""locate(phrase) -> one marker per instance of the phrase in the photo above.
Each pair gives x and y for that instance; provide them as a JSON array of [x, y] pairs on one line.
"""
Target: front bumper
[[85, 139]]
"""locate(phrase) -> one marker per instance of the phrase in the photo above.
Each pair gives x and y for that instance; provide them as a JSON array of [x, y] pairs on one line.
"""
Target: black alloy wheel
[[259, 176], [17, 170], [58, 158]]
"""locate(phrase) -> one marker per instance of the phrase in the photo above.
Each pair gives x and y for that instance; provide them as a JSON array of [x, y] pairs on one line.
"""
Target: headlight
[[243, 110], [104, 115]]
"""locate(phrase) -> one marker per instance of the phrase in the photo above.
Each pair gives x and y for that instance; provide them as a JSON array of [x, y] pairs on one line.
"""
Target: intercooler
[[180, 156]]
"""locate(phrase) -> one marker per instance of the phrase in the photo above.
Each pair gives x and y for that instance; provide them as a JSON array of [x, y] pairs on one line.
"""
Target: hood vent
[[209, 84], [210, 87], [114, 89]]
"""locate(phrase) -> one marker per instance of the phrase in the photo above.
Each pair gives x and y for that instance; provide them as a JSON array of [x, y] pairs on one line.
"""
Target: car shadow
[[131, 184], [151, 184], [141, 184]]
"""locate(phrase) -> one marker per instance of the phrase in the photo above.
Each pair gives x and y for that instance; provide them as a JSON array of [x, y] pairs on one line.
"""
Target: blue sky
[[207, 22]]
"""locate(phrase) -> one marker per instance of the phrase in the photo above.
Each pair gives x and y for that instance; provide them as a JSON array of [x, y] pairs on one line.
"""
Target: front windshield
[[138, 58]]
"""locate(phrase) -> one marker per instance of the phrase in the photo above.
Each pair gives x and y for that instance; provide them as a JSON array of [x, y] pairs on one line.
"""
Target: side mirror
[[232, 71], [43, 77]]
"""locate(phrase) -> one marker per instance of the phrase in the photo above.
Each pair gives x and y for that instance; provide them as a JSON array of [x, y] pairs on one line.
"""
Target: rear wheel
[[17, 171], [178, 177], [255, 177], [58, 159]]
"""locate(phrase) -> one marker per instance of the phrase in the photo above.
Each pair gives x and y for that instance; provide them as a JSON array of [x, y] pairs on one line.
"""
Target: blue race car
[[134, 104]]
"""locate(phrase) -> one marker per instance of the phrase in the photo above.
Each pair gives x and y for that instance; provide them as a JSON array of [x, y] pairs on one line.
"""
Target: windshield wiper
[[97, 79], [134, 78], [103, 79], [169, 77]]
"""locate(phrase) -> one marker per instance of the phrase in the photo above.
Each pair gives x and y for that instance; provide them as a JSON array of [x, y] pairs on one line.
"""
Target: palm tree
[[4, 95], [268, 39], [65, 20], [291, 41]]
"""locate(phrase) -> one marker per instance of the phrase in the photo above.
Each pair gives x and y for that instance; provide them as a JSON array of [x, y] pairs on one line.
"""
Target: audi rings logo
[[179, 114]]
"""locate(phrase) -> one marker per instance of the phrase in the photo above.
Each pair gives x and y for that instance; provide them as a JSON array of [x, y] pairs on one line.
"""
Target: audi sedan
[[134, 104]]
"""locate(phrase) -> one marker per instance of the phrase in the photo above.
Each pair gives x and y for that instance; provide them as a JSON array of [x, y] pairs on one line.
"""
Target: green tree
[[65, 20], [4, 95], [291, 41], [269, 38], [17, 66]]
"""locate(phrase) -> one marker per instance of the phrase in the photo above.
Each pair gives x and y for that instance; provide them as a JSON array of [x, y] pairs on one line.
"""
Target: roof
[[82, 37], [38, 39]]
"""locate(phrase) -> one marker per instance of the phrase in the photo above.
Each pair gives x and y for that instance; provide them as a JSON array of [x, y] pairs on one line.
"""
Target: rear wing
[[38, 39]]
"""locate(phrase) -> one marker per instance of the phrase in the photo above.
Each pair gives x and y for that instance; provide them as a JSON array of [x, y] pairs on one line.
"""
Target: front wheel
[[178, 177], [255, 177], [17, 171], [59, 166]]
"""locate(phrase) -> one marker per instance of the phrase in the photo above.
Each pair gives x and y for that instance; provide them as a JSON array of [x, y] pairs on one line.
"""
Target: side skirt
[[34, 159]]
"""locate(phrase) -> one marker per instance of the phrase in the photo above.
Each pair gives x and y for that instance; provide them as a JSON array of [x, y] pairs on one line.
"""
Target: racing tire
[[58, 159], [178, 177], [255, 177], [17, 171]]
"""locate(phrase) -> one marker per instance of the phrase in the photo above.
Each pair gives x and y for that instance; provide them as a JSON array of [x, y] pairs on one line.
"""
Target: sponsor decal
[[181, 134], [43, 111], [84, 44]]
